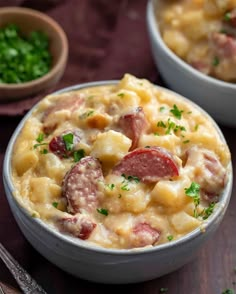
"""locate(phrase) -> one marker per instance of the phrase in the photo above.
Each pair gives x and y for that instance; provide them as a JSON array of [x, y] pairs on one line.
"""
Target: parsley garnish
[[125, 187], [156, 134], [39, 144], [215, 61], [227, 16], [33, 215], [186, 141], [147, 147], [228, 291], [196, 128], [133, 178], [126, 181], [163, 290], [55, 204], [194, 192], [176, 112], [171, 126], [86, 114], [161, 124], [162, 108], [170, 237], [44, 151], [78, 154], [208, 211], [103, 211], [40, 138], [110, 186], [121, 95], [68, 140]]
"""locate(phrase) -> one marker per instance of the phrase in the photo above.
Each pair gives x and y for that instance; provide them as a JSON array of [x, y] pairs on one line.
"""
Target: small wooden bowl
[[30, 20]]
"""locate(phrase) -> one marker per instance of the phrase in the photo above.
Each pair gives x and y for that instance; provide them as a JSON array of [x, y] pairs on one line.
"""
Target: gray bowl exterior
[[93, 263], [218, 98]]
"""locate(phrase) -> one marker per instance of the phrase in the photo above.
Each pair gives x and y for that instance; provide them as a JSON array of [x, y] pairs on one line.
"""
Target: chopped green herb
[[40, 138], [68, 140], [39, 144], [176, 112], [156, 134], [215, 61], [55, 204], [170, 237], [163, 290], [208, 211], [78, 154], [133, 178], [161, 124], [227, 16], [228, 291], [171, 126], [110, 186], [103, 211], [33, 215], [196, 128], [86, 114], [147, 147], [44, 151], [121, 95], [186, 141], [162, 109], [189, 112], [23, 58], [125, 187], [194, 192]]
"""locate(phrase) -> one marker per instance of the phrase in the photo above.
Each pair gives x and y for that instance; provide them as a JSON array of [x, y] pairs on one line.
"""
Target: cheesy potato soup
[[203, 33], [123, 166]]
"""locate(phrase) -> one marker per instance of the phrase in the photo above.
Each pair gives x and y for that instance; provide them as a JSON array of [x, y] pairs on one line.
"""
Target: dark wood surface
[[213, 269]]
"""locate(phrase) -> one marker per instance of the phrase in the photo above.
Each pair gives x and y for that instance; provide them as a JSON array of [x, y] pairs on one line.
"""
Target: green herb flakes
[[207, 211], [186, 141], [39, 144], [110, 186], [176, 112], [121, 95], [215, 61], [55, 204], [194, 192], [68, 140], [23, 59], [78, 154], [40, 138], [170, 237], [44, 151], [103, 211], [162, 109], [227, 16]]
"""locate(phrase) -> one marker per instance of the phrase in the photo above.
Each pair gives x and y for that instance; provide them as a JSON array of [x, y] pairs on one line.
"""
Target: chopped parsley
[[126, 180], [156, 134], [162, 109], [170, 126], [161, 124], [147, 147], [110, 186], [40, 138], [39, 144], [55, 204], [33, 215], [227, 16], [163, 290], [228, 291], [86, 114], [78, 154], [196, 128], [44, 151], [121, 95], [208, 211], [176, 112], [68, 140], [194, 192], [103, 211], [170, 237], [186, 141], [125, 187], [215, 61]]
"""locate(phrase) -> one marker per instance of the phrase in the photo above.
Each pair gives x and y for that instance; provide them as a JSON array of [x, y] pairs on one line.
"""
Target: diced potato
[[171, 193], [43, 190], [183, 222], [110, 146], [177, 42], [24, 161], [141, 87]]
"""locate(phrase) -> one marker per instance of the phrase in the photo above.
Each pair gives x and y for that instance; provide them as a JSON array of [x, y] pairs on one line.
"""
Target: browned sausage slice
[[63, 145], [81, 185], [223, 45], [78, 226], [148, 164], [144, 234], [70, 103], [133, 125]]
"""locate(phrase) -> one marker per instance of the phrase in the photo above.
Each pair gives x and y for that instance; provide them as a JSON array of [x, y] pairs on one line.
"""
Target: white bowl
[[93, 263], [215, 96]]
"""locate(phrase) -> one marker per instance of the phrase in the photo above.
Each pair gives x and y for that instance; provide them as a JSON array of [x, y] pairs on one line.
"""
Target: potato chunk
[[183, 223]]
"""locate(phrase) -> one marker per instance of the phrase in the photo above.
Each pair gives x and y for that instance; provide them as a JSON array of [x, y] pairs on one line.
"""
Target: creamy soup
[[123, 166], [203, 33]]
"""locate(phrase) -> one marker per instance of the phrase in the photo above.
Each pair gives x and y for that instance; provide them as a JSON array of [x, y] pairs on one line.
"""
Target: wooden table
[[212, 271]]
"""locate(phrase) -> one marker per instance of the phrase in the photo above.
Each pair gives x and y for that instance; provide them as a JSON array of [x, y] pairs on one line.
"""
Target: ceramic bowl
[[98, 264], [31, 20], [217, 97]]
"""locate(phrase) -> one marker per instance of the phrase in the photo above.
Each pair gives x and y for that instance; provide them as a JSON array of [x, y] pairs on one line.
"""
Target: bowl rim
[[89, 246], [156, 36], [56, 28]]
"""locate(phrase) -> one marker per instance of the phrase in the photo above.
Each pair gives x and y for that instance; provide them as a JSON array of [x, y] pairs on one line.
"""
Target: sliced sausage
[[148, 164], [208, 172], [81, 185], [58, 144], [143, 235], [223, 45], [133, 124], [202, 66], [79, 226], [70, 103]]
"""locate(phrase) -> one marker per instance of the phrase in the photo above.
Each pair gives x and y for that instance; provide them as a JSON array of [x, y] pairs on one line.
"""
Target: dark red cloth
[[106, 40]]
